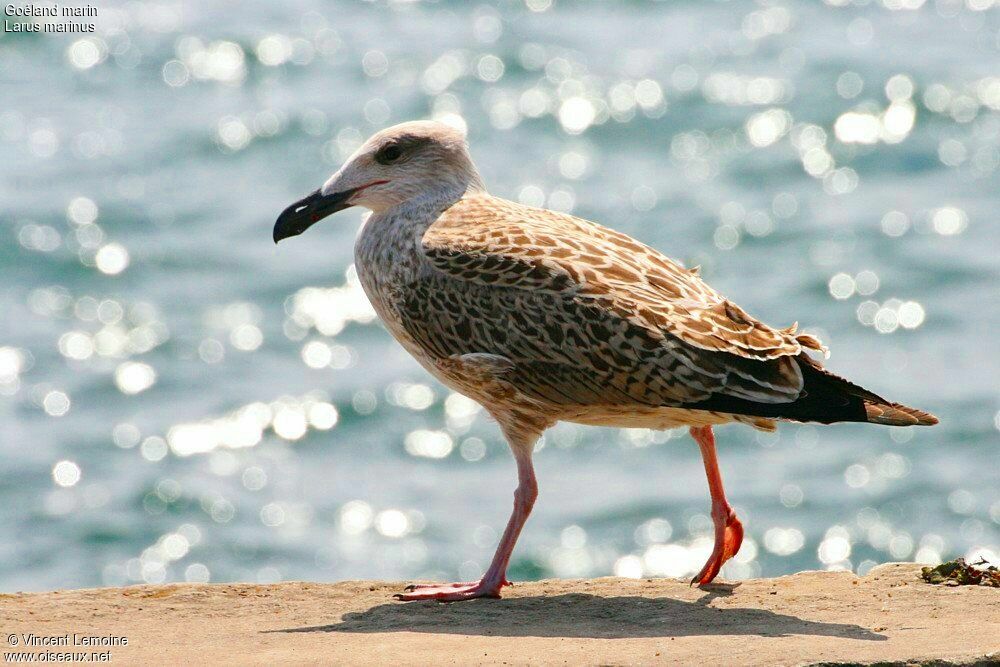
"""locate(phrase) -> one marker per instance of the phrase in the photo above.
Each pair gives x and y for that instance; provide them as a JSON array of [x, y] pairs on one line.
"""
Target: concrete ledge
[[888, 616]]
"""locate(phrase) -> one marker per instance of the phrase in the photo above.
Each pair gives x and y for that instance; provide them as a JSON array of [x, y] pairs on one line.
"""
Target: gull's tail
[[826, 398], [894, 414], [859, 404]]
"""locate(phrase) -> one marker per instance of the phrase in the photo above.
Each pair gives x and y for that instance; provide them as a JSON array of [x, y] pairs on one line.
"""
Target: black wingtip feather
[[826, 398]]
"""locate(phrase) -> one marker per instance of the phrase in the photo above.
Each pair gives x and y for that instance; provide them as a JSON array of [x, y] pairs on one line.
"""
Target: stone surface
[[888, 616]]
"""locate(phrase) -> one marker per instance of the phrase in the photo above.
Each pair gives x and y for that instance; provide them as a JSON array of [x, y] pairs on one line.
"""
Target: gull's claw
[[451, 592], [728, 538]]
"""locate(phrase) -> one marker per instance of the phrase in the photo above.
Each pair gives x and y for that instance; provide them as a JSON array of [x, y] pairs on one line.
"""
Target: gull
[[544, 317]]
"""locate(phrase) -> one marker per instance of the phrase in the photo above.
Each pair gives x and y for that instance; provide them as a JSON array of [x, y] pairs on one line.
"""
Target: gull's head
[[406, 162]]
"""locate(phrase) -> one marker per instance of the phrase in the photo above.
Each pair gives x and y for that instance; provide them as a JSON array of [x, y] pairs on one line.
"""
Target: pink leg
[[496, 576], [728, 529]]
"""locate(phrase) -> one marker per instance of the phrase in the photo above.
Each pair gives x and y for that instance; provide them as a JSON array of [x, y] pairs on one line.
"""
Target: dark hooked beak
[[309, 210]]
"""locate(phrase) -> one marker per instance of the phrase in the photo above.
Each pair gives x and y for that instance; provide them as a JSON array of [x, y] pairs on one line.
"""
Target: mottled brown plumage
[[602, 321], [544, 317]]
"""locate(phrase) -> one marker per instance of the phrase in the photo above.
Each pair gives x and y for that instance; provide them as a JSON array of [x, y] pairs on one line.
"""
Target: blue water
[[177, 404]]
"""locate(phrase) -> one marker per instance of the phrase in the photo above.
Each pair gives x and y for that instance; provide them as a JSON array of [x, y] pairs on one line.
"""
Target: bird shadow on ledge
[[581, 615]]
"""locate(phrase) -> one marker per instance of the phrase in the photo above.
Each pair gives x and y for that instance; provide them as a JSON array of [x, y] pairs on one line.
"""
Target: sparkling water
[[182, 400]]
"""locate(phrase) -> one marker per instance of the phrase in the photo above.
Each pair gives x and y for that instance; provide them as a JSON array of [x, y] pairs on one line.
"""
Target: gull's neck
[[426, 206], [390, 234]]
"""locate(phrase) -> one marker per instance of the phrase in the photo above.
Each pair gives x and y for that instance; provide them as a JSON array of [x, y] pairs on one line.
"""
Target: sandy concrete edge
[[888, 616]]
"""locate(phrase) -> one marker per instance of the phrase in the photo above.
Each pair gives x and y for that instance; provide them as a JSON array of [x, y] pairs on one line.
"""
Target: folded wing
[[588, 315]]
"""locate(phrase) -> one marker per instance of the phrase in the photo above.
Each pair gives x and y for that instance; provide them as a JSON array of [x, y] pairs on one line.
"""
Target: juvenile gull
[[543, 317]]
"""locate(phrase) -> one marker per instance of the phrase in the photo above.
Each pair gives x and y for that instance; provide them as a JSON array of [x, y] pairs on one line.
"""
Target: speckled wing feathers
[[588, 315]]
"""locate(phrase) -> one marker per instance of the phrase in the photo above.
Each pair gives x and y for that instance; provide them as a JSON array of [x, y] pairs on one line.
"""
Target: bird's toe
[[450, 592]]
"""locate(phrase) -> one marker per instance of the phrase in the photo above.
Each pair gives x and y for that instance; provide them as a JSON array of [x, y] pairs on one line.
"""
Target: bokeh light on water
[[180, 401]]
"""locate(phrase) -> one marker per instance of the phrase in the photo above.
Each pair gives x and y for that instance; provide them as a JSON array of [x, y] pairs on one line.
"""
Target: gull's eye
[[389, 154]]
